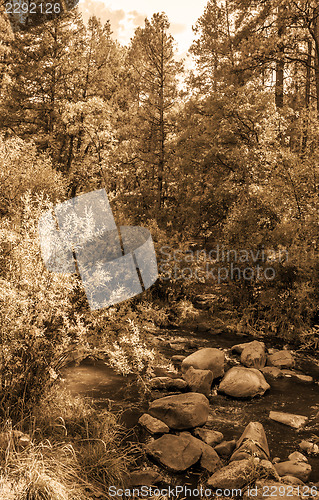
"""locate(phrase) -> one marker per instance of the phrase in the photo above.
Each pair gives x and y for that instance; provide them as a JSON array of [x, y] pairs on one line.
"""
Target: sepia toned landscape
[[202, 382]]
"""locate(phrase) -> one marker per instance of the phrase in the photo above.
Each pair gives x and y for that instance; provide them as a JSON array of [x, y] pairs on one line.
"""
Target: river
[[97, 381]]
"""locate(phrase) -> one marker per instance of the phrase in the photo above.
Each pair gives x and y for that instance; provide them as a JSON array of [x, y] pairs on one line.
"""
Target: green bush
[[286, 305], [22, 170], [36, 323]]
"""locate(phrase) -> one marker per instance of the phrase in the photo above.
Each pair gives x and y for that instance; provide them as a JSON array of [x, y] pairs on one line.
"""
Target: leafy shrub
[[285, 303], [22, 170], [36, 323]]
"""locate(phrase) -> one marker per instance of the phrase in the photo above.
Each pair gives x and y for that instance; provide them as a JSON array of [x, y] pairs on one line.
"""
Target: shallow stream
[[108, 389]]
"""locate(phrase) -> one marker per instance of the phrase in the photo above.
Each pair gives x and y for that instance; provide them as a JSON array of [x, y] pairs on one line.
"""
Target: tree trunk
[[280, 65], [161, 161], [316, 39], [70, 154], [307, 95]]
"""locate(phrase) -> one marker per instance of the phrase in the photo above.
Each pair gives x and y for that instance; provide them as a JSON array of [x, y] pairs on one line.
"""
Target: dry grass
[[75, 453], [43, 472]]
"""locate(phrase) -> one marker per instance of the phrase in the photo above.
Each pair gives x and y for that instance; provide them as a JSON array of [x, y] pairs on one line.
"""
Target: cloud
[[124, 23], [176, 28], [97, 8], [136, 18]]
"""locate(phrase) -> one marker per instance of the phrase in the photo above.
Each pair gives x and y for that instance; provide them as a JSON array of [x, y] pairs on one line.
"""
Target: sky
[[126, 15]]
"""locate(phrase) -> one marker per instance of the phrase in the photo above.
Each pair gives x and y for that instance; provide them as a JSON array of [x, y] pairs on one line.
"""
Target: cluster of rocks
[[181, 420], [229, 464], [251, 378]]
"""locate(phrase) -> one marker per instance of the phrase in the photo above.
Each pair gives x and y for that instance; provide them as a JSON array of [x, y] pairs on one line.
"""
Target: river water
[[97, 381]]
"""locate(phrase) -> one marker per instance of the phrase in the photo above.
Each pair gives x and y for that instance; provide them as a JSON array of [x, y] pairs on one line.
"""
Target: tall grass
[[75, 452]]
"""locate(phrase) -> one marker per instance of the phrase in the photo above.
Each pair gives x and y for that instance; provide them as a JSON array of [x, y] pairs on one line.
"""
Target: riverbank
[[293, 392]]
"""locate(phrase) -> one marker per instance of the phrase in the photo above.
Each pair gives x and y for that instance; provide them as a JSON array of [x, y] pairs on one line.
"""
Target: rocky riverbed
[[223, 415]]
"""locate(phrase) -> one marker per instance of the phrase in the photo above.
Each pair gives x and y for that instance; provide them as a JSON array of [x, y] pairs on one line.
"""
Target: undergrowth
[[75, 452]]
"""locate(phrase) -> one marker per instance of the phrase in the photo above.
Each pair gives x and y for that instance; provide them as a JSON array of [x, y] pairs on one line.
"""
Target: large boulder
[[254, 355], [209, 459], [281, 359], [300, 470], [177, 453], [168, 384], [206, 359], [238, 348], [183, 411], [209, 436], [199, 380], [241, 382], [295, 421], [153, 425], [234, 475], [252, 443]]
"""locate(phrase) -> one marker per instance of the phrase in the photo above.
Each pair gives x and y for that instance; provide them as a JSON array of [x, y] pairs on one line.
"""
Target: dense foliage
[[222, 156]]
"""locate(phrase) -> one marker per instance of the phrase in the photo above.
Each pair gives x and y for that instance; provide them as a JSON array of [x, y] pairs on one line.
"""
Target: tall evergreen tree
[[154, 86]]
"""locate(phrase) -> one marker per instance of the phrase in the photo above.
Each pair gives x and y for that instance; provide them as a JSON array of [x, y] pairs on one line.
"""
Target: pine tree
[[43, 75], [154, 87], [6, 37]]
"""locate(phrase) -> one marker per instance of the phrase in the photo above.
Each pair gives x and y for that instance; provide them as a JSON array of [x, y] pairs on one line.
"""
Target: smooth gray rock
[[300, 470], [199, 380], [281, 359], [225, 448], [254, 355], [296, 456], [241, 382], [209, 459], [177, 453], [271, 372], [210, 437], [238, 348], [295, 421], [296, 375], [153, 425], [183, 411], [206, 359]]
